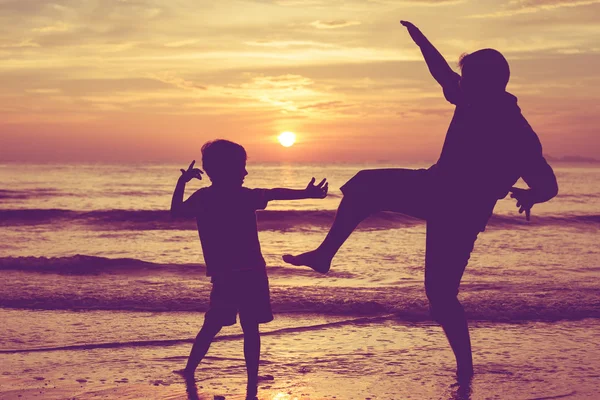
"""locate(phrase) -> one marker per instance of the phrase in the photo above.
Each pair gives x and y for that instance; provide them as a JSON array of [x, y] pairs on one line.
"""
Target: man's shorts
[[243, 292], [406, 191], [452, 223]]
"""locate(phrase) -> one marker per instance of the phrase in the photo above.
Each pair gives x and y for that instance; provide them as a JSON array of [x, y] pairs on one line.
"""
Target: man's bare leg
[[447, 253], [349, 214], [456, 329]]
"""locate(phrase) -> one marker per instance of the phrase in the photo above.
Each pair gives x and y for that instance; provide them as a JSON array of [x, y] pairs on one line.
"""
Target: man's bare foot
[[464, 375], [312, 259], [251, 392]]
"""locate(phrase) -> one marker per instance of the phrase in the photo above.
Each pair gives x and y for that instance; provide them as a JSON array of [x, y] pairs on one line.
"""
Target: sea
[[90, 259]]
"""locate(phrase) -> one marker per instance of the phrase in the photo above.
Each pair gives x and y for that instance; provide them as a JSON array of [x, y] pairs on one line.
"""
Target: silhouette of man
[[488, 147]]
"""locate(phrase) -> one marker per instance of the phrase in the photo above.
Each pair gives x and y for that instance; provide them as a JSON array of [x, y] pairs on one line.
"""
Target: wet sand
[[376, 359]]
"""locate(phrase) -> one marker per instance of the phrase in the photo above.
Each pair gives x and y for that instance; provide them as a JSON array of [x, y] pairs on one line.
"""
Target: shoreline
[[316, 359]]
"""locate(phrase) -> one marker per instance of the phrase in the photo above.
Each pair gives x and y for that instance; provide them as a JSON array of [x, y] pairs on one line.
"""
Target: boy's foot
[[312, 259]]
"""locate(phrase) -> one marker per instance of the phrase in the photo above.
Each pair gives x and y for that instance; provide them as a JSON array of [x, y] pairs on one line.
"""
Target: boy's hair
[[220, 154], [488, 67]]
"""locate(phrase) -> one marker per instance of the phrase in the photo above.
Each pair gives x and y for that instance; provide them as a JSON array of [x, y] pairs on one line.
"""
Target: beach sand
[[366, 358]]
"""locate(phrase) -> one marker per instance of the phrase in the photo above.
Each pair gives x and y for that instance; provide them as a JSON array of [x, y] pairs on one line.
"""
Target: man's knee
[[443, 303], [363, 174]]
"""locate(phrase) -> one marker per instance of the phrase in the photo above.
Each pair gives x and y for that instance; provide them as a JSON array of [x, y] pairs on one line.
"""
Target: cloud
[[59, 27], [182, 43], [21, 44], [423, 3], [43, 91], [518, 7], [289, 44], [325, 105], [549, 3], [334, 24], [283, 81], [525, 46], [172, 79], [285, 93]]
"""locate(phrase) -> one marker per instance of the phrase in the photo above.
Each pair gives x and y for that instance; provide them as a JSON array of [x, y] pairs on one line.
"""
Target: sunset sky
[[152, 80]]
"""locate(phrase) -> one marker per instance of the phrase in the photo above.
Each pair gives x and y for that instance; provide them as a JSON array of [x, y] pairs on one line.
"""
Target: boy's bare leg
[[201, 345], [252, 356], [349, 214]]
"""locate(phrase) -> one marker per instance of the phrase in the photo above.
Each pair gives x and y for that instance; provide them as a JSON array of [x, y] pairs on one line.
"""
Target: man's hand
[[414, 33], [317, 191], [191, 173], [524, 199]]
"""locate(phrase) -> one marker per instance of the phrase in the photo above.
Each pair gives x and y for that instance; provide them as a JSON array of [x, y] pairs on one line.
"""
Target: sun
[[287, 139]]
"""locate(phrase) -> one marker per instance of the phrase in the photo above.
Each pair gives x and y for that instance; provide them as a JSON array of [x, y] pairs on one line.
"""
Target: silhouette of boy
[[226, 217], [488, 147]]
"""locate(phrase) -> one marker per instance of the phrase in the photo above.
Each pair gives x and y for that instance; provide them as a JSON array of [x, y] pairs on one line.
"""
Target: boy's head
[[224, 162], [484, 73]]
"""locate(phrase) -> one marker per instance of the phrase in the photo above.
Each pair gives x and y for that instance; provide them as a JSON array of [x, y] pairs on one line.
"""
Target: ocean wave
[[26, 194], [267, 220], [498, 301], [92, 265], [563, 220], [406, 304], [77, 264]]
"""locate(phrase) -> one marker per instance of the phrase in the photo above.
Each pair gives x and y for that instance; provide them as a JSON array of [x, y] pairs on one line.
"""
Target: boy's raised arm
[[178, 207], [439, 68], [311, 191]]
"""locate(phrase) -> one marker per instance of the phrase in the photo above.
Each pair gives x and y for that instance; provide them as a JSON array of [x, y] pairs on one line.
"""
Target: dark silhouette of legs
[[447, 253], [252, 356], [201, 345], [350, 213], [449, 313], [451, 233], [399, 190], [191, 388]]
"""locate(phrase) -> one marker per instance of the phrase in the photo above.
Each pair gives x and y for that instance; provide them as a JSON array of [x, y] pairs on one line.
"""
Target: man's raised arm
[[439, 68]]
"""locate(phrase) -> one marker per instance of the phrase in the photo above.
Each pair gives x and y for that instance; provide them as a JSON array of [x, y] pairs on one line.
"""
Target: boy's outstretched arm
[[439, 68], [178, 207], [311, 191]]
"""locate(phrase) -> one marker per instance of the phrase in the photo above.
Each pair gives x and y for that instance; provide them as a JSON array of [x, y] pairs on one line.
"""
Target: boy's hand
[[414, 32], [317, 191], [191, 173], [524, 199]]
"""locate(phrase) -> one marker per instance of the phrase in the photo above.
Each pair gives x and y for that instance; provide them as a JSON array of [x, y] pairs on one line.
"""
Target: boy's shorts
[[243, 292]]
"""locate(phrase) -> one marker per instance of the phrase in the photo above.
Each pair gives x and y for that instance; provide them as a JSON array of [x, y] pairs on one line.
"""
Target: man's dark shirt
[[488, 147]]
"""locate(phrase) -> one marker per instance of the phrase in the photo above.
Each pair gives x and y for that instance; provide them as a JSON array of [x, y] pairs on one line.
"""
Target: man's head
[[224, 162], [485, 73]]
